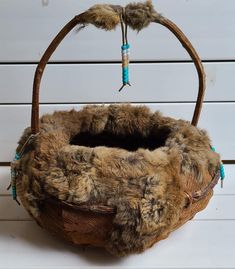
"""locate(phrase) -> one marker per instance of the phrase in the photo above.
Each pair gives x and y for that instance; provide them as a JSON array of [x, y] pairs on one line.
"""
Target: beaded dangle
[[13, 178], [125, 53], [222, 171], [14, 170]]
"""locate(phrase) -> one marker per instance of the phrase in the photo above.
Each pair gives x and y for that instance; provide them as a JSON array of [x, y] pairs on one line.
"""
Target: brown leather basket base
[[119, 176]]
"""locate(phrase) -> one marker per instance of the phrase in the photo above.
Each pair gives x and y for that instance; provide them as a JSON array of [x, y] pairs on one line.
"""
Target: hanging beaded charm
[[222, 171], [14, 170], [125, 53], [13, 178], [125, 65]]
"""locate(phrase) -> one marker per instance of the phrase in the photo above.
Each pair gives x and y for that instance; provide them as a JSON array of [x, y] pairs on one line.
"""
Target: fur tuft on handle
[[103, 16], [140, 15], [107, 17]]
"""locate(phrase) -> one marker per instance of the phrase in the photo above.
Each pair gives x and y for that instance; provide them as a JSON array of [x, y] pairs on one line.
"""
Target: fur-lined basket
[[118, 176]]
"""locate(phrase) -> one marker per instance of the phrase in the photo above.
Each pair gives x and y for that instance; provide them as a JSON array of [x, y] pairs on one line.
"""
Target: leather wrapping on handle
[[85, 18]]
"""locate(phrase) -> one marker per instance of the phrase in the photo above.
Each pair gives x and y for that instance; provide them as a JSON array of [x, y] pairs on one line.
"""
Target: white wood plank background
[[25, 245], [168, 84], [66, 83], [26, 28]]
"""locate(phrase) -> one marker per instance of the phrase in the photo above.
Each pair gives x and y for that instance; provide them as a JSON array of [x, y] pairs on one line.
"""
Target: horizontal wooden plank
[[202, 244], [219, 208], [168, 82], [31, 25], [5, 177], [14, 118], [10, 210], [229, 184]]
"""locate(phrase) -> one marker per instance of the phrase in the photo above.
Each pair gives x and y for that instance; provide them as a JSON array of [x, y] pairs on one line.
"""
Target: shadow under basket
[[118, 176]]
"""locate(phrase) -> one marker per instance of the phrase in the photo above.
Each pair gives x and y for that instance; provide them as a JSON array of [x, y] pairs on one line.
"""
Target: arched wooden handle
[[196, 60], [40, 69], [81, 19]]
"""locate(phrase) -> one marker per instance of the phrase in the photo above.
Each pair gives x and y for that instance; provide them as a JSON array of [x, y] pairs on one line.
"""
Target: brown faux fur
[[137, 15], [103, 16], [145, 185]]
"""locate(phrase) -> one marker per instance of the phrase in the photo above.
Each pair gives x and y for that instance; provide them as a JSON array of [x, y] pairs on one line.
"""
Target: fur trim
[[137, 15], [119, 155], [140, 15], [103, 16]]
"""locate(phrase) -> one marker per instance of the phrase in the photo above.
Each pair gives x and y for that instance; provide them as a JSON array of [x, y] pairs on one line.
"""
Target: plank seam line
[[121, 102], [117, 62], [26, 219], [213, 219]]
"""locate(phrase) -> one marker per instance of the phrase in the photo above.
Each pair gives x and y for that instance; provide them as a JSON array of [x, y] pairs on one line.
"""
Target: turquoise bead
[[213, 149], [222, 171], [125, 47], [17, 157], [125, 75], [14, 192]]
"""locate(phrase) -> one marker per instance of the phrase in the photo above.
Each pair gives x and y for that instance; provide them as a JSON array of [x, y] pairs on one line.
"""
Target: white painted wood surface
[[205, 242], [66, 83], [198, 244], [27, 27]]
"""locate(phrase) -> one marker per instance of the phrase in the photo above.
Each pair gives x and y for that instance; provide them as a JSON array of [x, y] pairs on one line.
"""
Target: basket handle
[[85, 18]]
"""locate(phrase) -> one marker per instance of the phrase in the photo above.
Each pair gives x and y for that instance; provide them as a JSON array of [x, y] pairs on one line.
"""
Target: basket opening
[[130, 142]]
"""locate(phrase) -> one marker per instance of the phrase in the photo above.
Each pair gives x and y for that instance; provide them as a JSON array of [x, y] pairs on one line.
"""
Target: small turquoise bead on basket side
[[13, 189], [222, 171], [17, 157], [213, 149]]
